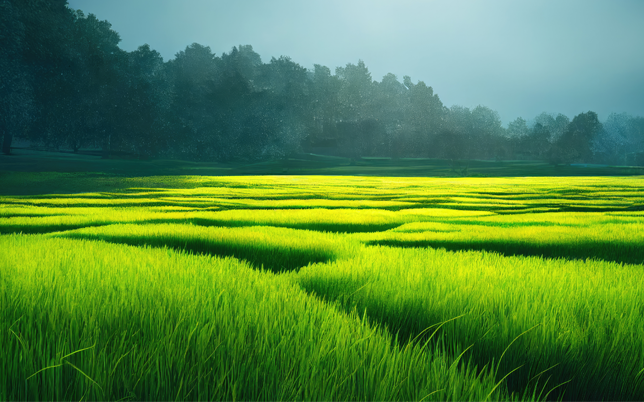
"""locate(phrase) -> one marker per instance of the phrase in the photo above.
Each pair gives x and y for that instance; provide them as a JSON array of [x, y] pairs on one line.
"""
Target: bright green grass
[[276, 249], [92, 321], [558, 235], [584, 319], [559, 271], [39, 220]]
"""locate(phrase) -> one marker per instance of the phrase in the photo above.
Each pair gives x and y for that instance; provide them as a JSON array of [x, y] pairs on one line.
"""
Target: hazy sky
[[519, 58]]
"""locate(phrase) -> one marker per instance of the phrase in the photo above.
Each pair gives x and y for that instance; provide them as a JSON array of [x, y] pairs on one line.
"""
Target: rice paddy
[[324, 288]]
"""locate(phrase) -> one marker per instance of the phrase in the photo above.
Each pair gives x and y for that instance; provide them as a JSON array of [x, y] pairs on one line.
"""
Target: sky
[[518, 57]]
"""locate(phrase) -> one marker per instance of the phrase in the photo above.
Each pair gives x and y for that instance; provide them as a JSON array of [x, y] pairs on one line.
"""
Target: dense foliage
[[66, 83]]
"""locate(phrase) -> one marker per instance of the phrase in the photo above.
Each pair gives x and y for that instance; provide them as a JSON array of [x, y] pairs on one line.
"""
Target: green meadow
[[321, 288]]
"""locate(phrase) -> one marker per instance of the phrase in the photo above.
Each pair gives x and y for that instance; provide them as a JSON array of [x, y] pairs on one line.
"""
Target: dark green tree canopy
[[66, 83]]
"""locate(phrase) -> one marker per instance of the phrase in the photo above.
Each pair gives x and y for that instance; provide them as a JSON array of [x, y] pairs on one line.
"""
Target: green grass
[[321, 287], [90, 320], [275, 249], [584, 319], [559, 235]]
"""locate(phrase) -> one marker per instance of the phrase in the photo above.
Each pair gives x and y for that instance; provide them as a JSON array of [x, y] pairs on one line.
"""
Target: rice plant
[[97, 321], [578, 323], [321, 287]]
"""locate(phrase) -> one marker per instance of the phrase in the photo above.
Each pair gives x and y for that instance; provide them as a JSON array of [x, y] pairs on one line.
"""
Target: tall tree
[[424, 117], [99, 79], [15, 85], [458, 128], [324, 92], [32, 39], [389, 104], [244, 127], [355, 91], [486, 132], [194, 73], [145, 103], [575, 145], [286, 102], [355, 106]]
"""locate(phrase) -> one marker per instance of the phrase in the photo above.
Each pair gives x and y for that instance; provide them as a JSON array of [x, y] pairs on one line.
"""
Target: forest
[[66, 84]]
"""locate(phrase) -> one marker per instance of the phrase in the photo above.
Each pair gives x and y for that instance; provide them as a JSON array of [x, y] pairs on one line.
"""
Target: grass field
[[321, 287]]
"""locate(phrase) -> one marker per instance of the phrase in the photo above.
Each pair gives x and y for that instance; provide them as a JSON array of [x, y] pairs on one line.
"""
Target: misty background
[[211, 80], [520, 58]]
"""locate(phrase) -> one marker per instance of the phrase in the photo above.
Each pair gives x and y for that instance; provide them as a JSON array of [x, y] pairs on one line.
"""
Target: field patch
[[322, 287], [569, 319], [87, 319], [274, 249]]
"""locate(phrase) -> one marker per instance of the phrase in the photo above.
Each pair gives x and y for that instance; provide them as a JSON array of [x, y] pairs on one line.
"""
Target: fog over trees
[[64, 82]]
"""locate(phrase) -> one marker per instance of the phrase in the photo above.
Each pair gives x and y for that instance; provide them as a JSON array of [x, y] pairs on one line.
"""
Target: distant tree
[[556, 125], [486, 130], [459, 126], [16, 93], [324, 93], [533, 143], [32, 40], [355, 91], [355, 104], [451, 144], [424, 116], [79, 84], [518, 128], [101, 76], [65, 81], [242, 94], [636, 139], [145, 103], [575, 145], [197, 101], [287, 104], [621, 140], [388, 105], [538, 143]]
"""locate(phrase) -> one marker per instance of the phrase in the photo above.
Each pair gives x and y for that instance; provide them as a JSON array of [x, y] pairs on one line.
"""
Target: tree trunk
[[6, 143]]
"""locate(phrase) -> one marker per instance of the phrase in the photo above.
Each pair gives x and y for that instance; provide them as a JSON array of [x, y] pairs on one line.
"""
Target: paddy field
[[321, 288]]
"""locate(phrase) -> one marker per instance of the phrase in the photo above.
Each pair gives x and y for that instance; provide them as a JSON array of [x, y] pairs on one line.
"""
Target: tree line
[[66, 83]]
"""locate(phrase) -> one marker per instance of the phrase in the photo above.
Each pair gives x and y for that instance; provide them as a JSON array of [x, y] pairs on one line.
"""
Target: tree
[[355, 91], [621, 141], [538, 143], [32, 38], [532, 142], [194, 75], [286, 102], [79, 85], [355, 97], [244, 123], [454, 142], [101, 80], [451, 144], [575, 145], [146, 101], [424, 117], [324, 92], [485, 132], [518, 128], [16, 96]]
